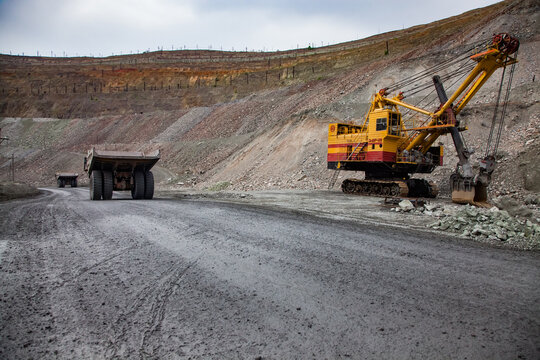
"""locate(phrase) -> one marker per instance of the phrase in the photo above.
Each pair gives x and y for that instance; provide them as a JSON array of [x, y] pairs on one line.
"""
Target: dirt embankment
[[256, 121], [10, 191]]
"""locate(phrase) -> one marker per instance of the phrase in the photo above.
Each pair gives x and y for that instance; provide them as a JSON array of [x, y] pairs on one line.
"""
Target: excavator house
[[389, 149]]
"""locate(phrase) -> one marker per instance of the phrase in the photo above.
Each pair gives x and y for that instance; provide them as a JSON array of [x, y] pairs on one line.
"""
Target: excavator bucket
[[481, 196], [465, 192], [463, 196]]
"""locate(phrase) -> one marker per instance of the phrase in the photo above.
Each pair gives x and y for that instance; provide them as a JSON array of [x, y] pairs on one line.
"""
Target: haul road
[[204, 279]]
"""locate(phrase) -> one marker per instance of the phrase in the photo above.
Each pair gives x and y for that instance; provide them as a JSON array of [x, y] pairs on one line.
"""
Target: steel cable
[[413, 78], [505, 105]]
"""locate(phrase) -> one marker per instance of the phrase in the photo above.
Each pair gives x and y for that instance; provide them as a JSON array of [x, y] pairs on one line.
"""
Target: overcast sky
[[104, 27]]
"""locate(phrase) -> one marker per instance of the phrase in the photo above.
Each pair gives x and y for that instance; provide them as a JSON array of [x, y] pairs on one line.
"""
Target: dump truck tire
[[148, 185], [96, 185], [74, 183], [137, 191], [107, 185]]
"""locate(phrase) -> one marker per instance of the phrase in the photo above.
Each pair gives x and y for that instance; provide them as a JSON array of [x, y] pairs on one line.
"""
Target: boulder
[[512, 206], [406, 205], [505, 203], [531, 179], [532, 200], [431, 207]]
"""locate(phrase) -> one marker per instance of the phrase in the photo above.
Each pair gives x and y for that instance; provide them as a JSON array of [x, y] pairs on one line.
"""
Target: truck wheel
[[59, 183], [107, 185], [96, 185], [62, 183], [148, 185], [137, 191], [74, 183]]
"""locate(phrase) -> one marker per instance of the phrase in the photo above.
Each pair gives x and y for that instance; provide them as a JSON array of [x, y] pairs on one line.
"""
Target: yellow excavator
[[390, 148]]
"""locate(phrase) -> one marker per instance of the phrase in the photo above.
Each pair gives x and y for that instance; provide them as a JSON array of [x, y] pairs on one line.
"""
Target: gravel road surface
[[177, 279]]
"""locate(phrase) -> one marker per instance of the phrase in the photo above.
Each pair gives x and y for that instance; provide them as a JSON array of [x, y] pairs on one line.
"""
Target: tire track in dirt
[[202, 279], [157, 311], [146, 310], [28, 325]]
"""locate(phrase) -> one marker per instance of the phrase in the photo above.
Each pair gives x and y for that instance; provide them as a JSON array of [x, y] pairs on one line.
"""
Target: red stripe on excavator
[[371, 156], [336, 157], [385, 156]]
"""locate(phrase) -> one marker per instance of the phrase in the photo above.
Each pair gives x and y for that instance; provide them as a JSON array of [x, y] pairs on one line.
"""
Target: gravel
[[491, 225], [199, 278], [515, 227]]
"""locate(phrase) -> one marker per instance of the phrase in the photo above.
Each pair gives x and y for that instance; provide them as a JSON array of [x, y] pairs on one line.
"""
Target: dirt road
[[173, 278]]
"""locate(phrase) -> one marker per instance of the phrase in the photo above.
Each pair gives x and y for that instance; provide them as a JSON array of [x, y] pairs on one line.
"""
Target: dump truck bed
[[65, 178], [120, 160], [66, 175]]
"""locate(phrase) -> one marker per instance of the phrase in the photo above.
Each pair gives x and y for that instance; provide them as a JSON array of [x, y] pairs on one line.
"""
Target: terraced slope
[[250, 120]]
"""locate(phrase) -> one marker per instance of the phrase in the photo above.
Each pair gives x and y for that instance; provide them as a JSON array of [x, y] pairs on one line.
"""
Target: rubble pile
[[491, 225]]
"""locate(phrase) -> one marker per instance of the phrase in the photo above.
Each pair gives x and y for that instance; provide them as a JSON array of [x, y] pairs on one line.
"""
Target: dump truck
[[63, 179], [120, 171], [389, 148]]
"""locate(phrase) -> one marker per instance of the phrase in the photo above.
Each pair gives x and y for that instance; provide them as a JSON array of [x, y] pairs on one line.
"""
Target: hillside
[[255, 120]]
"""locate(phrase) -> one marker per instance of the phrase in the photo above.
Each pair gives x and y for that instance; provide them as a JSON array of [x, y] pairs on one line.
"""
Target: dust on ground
[[522, 220]]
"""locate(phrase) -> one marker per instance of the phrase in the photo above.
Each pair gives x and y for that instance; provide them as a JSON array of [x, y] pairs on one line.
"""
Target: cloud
[[114, 26], [144, 15]]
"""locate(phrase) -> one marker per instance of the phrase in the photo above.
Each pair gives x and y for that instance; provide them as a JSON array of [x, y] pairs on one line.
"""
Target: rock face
[[514, 207], [490, 224], [259, 120], [532, 178]]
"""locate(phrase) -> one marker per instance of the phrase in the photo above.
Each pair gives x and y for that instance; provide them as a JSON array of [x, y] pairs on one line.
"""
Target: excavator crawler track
[[390, 188]]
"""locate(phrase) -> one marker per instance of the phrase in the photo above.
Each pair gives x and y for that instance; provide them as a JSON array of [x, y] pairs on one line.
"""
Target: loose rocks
[[490, 225], [406, 205]]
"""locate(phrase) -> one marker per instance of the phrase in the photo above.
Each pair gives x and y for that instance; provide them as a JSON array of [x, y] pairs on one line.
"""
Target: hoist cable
[[431, 92], [413, 78], [421, 87], [495, 114], [505, 105]]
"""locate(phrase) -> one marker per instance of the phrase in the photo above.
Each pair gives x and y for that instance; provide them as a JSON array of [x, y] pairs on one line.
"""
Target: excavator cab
[[395, 124]]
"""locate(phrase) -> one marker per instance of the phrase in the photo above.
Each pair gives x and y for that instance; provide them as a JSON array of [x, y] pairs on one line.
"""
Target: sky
[[106, 27]]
